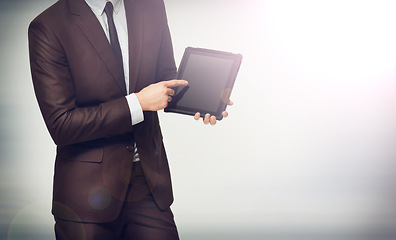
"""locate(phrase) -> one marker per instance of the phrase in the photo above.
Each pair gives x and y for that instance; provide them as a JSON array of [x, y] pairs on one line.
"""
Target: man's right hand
[[157, 96]]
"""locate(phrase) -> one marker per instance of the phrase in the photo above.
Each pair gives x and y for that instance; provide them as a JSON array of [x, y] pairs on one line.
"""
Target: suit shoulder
[[150, 3], [52, 14]]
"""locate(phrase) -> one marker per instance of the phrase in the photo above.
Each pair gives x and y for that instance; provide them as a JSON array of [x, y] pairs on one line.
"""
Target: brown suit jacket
[[80, 91]]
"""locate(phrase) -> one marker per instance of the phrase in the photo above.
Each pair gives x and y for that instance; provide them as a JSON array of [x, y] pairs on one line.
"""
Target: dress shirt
[[97, 7], [120, 22]]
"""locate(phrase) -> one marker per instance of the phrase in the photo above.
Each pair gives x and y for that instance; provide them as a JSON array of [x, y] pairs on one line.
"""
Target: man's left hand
[[212, 119]]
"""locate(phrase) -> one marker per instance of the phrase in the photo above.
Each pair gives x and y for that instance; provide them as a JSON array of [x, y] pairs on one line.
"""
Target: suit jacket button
[[130, 148]]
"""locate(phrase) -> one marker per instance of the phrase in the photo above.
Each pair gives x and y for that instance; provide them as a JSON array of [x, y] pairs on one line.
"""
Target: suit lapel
[[89, 24], [135, 40]]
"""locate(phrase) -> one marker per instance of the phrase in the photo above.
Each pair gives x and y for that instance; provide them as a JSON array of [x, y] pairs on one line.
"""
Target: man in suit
[[99, 103]]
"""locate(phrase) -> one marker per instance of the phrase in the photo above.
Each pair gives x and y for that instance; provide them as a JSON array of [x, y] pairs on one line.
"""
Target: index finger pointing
[[175, 83]]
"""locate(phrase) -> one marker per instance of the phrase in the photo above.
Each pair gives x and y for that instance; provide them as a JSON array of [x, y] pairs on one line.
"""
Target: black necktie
[[113, 33]]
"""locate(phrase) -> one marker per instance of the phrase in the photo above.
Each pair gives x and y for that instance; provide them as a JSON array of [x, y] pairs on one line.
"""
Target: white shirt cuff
[[135, 109]]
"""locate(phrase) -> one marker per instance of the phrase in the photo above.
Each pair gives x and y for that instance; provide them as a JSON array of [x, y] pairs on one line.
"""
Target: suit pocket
[[83, 152]]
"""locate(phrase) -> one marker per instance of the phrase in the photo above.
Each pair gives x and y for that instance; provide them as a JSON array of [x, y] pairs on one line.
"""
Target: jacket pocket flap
[[81, 153]]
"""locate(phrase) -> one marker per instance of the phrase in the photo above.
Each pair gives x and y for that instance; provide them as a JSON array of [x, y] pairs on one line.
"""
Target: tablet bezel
[[229, 82]]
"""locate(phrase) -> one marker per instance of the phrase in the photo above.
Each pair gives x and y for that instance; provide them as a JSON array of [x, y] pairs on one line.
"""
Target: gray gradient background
[[308, 151]]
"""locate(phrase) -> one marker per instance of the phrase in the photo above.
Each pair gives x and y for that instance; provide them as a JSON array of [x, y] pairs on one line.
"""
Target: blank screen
[[207, 77]]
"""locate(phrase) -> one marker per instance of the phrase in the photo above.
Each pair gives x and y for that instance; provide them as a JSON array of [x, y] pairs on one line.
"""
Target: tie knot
[[109, 9]]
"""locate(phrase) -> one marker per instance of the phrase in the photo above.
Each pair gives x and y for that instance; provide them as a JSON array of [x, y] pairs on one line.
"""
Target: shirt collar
[[98, 5]]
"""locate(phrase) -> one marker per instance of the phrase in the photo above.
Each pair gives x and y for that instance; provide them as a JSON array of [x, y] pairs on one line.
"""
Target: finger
[[230, 103], [169, 98], [197, 116], [225, 114], [206, 119], [212, 120], [170, 92], [175, 83]]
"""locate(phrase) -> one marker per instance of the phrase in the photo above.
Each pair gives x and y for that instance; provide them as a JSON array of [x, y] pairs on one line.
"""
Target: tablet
[[211, 75]]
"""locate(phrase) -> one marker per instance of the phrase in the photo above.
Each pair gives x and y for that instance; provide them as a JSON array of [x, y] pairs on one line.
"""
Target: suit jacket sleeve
[[166, 69], [68, 122]]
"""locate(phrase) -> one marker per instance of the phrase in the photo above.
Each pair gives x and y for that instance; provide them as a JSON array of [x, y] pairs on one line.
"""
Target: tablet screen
[[207, 77], [211, 75]]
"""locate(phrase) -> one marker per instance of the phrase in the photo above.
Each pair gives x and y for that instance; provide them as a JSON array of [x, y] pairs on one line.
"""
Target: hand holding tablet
[[207, 118]]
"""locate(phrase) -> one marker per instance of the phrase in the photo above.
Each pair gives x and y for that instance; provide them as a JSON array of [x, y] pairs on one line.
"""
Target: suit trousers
[[140, 218]]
